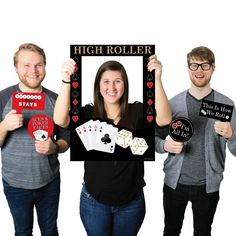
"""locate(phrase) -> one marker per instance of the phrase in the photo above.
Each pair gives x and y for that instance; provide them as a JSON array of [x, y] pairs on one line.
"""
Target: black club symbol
[[106, 139]]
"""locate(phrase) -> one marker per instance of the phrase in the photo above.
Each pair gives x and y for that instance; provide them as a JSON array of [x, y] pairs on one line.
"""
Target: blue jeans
[[105, 220], [203, 207], [21, 203]]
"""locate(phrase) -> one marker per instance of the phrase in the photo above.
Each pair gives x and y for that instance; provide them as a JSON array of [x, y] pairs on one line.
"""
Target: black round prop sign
[[181, 129]]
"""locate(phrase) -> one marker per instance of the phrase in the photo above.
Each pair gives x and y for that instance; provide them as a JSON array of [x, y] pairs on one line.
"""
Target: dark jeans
[[105, 220], [45, 200], [203, 207]]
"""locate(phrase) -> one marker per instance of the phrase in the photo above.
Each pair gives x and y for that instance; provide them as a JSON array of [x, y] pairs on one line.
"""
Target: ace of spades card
[[40, 135]]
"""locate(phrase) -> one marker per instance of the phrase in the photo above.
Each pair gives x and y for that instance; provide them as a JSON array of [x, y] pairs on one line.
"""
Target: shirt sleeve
[[62, 133], [160, 135]]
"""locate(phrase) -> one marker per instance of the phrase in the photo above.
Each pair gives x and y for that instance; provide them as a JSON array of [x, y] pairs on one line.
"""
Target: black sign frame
[[77, 150]]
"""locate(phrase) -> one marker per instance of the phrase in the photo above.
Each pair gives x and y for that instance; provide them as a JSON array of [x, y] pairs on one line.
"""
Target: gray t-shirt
[[193, 171], [22, 166]]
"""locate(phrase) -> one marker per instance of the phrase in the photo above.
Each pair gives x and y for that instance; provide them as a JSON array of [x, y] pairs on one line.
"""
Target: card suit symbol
[[149, 102], [149, 111], [75, 93], [149, 118], [43, 136], [75, 110], [75, 102], [149, 77], [149, 84], [75, 59], [149, 93], [75, 84], [106, 139], [75, 118], [76, 68], [75, 77]]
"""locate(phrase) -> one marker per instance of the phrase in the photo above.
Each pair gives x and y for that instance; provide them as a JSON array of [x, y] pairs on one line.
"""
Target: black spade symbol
[[43, 136], [75, 110], [149, 111], [106, 139]]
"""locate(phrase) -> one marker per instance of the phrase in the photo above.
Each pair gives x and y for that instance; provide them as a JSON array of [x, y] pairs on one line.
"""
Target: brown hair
[[30, 47], [99, 108], [202, 53]]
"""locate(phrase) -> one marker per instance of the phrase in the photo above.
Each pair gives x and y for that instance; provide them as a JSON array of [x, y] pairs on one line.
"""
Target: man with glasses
[[194, 169]]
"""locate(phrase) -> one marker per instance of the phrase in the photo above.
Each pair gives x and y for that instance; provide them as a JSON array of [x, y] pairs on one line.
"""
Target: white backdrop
[[175, 27]]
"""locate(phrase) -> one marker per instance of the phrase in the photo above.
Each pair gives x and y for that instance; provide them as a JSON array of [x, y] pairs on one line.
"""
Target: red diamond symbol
[[75, 102], [149, 102]]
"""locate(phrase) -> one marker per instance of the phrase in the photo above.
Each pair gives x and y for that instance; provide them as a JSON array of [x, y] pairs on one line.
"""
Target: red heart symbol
[[75, 84], [75, 118], [149, 84], [149, 118]]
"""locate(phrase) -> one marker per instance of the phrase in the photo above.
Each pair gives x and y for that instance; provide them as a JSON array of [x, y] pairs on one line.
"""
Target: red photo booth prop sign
[[40, 127], [28, 101]]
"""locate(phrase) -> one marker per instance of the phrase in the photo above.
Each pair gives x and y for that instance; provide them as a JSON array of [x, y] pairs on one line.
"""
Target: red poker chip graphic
[[40, 127]]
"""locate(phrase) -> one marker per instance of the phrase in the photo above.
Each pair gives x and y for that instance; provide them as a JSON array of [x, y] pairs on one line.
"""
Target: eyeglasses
[[205, 66]]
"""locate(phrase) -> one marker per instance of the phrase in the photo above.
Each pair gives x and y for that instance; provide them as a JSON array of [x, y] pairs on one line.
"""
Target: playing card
[[35, 133], [82, 133], [92, 133], [89, 126], [105, 139], [44, 135], [40, 135]]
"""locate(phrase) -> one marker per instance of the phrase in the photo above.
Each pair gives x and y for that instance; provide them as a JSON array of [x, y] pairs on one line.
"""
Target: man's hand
[[13, 121], [224, 129], [172, 146], [46, 147]]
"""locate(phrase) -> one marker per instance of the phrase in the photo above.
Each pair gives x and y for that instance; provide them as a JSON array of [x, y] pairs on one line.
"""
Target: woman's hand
[[68, 69]]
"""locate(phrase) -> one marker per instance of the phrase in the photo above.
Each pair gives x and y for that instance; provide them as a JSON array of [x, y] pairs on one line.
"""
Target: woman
[[112, 201]]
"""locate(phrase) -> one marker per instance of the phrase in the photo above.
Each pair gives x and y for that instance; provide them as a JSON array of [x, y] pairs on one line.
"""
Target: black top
[[115, 182]]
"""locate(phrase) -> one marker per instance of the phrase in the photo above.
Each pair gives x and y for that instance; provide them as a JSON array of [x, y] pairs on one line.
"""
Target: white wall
[[175, 27]]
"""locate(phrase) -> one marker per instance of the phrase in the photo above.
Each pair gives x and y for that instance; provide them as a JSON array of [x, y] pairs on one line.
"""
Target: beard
[[32, 83], [200, 83]]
